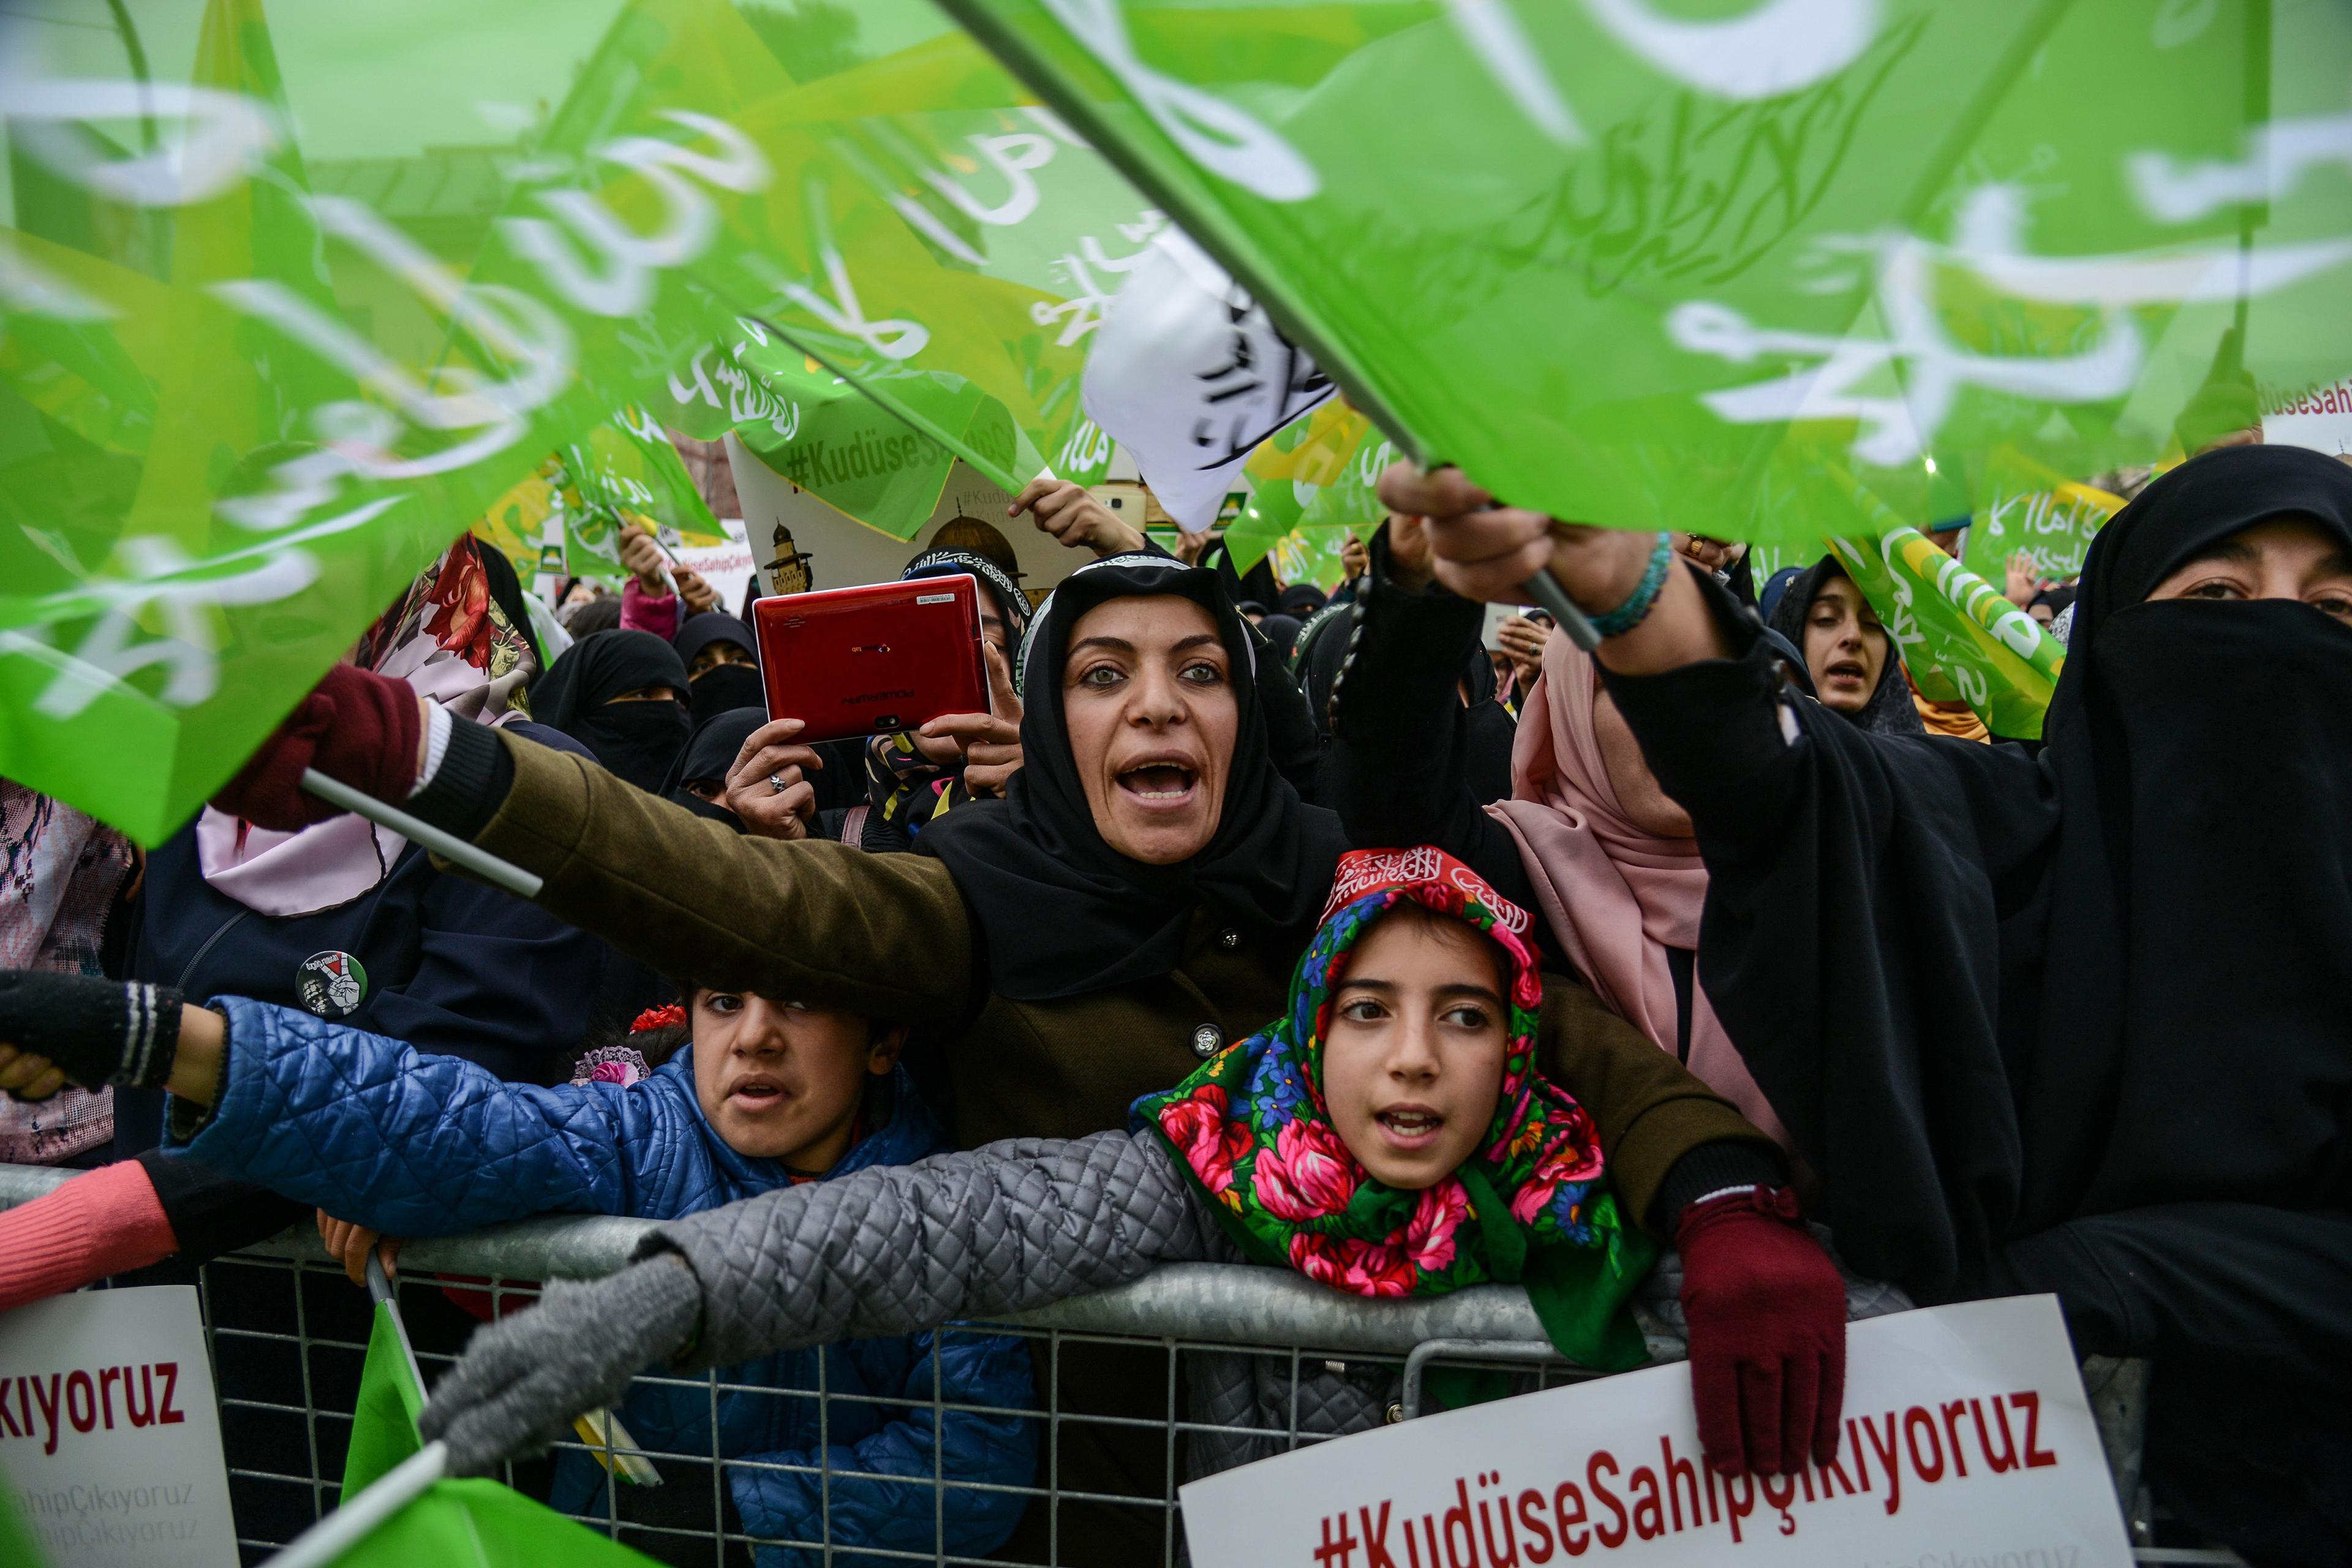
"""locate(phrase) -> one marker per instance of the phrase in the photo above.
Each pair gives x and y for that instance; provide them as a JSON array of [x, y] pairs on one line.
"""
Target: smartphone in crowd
[[865, 661]]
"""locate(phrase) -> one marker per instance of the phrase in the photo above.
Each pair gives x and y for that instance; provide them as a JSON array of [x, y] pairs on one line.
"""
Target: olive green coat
[[889, 936]]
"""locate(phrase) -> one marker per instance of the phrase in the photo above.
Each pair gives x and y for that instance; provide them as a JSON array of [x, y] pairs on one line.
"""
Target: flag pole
[[358, 1517], [448, 845], [380, 1291]]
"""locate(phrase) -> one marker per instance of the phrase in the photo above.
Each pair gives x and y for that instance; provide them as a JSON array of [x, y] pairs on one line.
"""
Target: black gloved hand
[[94, 1030]]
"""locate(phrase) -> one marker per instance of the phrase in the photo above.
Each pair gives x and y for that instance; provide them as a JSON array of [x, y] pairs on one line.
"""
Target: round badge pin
[[330, 984]]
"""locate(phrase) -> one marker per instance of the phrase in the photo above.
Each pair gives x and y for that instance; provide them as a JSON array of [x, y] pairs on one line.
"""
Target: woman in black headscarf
[[723, 665], [1855, 668], [698, 780], [2072, 1024], [621, 694]]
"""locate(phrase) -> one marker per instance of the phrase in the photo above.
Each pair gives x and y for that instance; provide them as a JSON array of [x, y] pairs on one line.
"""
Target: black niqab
[[1890, 711], [722, 688], [635, 740], [1066, 914]]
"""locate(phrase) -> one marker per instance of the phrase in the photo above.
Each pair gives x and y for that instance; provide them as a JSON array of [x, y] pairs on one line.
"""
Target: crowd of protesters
[[1379, 935]]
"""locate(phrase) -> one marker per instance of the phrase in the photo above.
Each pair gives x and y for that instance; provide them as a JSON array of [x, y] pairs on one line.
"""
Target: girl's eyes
[[722, 1002], [2335, 605], [1466, 1016], [1361, 1010], [1203, 674], [1100, 675]]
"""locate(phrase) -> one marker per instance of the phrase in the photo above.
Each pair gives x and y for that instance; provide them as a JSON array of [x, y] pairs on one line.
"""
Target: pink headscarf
[[449, 638], [1616, 894]]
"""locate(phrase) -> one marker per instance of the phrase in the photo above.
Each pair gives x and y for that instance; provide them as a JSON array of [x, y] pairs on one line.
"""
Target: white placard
[[110, 1440], [845, 552], [1967, 1441], [2320, 418], [726, 567]]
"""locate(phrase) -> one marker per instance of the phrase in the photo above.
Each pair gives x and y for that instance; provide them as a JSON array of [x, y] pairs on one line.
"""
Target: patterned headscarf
[[1533, 1205]]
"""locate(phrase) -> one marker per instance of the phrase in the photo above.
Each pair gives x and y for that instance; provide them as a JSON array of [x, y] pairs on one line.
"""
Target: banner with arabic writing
[[1652, 265], [286, 302]]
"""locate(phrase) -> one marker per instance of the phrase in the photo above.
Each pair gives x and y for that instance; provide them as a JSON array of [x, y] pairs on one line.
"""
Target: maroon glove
[[356, 725], [1766, 1322]]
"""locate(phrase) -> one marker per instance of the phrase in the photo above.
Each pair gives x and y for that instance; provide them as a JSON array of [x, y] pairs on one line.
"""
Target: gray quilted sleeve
[[900, 1249]]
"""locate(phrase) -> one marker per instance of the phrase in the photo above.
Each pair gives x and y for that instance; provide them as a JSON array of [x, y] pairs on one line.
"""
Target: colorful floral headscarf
[[1532, 1205]]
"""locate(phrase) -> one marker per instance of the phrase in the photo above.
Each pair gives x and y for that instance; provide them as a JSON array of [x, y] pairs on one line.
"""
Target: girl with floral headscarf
[[1388, 1136]]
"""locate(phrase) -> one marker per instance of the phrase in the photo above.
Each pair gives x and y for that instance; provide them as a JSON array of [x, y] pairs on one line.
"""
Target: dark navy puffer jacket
[[413, 1145]]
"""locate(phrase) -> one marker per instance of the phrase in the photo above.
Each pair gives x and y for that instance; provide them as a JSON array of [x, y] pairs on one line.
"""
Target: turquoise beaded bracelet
[[1643, 599]]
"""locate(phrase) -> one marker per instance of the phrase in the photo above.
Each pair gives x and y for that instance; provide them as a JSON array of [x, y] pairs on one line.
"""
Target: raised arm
[[888, 1250], [885, 935], [1397, 770]]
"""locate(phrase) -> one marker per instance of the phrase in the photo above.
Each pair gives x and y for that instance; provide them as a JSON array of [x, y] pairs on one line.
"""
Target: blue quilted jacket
[[416, 1145]]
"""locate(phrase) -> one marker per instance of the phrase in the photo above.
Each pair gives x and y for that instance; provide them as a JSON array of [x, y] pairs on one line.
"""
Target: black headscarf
[[637, 741], [1281, 631], [1301, 601], [1890, 711], [506, 588], [1066, 914], [699, 632], [709, 753]]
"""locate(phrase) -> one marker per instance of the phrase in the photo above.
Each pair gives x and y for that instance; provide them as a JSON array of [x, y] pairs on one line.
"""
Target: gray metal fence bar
[[1179, 1301], [1180, 1307]]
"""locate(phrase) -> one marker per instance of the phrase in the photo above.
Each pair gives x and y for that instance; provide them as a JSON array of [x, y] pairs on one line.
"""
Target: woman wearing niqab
[[598, 694], [2076, 1022]]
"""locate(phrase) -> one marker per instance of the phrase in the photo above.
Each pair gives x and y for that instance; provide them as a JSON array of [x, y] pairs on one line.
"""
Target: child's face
[[780, 1082], [1413, 1059]]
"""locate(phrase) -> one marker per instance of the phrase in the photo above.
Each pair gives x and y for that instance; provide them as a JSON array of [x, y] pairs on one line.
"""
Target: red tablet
[[858, 661]]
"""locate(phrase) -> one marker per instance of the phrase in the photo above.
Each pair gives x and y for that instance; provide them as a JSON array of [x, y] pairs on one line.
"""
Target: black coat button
[[1229, 939], [1206, 1041]]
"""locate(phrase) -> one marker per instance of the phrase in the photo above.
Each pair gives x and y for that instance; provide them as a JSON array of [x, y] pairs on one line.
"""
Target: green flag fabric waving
[[1958, 638], [384, 1421], [286, 303], [398, 1510], [483, 1524], [1707, 250]]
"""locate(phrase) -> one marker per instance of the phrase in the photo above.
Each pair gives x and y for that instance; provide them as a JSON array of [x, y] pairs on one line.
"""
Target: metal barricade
[[288, 1333]]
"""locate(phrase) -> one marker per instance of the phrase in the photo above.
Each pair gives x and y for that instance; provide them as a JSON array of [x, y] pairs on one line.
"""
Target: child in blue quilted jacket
[[766, 1094]]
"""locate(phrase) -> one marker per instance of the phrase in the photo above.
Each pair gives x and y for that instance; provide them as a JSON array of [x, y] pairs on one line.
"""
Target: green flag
[[1959, 638], [384, 1421], [446, 1523], [251, 381], [17, 1549], [2022, 505], [1650, 264], [483, 1524]]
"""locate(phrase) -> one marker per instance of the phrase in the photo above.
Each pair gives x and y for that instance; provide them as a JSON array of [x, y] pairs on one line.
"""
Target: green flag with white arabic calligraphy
[[288, 302], [1649, 264]]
